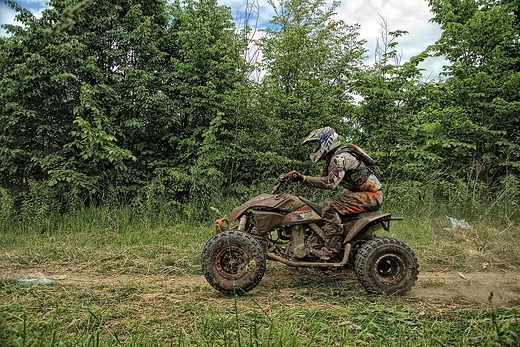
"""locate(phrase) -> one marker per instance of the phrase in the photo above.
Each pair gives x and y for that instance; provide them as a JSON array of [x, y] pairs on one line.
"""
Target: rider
[[345, 169]]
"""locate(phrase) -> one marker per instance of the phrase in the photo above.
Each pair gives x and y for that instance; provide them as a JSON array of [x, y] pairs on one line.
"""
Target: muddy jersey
[[342, 168]]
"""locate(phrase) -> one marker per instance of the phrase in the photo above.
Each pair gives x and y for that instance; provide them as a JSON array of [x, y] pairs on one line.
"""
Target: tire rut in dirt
[[233, 262], [386, 266]]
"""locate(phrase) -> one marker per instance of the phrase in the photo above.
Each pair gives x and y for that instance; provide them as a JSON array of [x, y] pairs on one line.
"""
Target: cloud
[[238, 10], [34, 6], [6, 16], [408, 15], [433, 67], [412, 16]]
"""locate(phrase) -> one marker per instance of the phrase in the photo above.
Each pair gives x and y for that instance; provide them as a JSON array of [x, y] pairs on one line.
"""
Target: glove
[[295, 176]]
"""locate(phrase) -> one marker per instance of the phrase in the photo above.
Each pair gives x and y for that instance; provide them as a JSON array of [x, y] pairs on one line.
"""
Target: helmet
[[323, 141]]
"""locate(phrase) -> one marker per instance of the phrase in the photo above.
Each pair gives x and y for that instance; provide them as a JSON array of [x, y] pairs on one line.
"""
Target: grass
[[130, 280], [101, 316]]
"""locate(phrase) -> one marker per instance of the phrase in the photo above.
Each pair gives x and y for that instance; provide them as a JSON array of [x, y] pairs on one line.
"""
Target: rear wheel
[[233, 262], [386, 266]]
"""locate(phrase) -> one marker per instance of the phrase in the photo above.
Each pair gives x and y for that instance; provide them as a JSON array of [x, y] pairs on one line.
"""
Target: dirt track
[[433, 289]]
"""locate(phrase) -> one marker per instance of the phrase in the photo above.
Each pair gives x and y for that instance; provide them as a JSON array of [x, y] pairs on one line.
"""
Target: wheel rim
[[232, 263], [390, 269]]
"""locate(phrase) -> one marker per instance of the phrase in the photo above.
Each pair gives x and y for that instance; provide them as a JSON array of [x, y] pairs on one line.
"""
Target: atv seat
[[344, 217]]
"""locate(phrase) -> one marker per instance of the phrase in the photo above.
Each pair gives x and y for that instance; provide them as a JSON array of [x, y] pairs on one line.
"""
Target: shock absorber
[[242, 223]]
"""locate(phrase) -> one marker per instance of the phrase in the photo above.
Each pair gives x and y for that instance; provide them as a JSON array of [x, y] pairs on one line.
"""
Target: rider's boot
[[334, 238]]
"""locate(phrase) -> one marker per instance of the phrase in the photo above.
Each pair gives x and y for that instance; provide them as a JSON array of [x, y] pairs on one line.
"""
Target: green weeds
[[382, 322]]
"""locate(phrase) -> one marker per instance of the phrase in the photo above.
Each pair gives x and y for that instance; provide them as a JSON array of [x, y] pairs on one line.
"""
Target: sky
[[409, 15]]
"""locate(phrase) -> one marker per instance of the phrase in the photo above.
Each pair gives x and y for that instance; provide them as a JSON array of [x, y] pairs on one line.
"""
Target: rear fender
[[368, 224]]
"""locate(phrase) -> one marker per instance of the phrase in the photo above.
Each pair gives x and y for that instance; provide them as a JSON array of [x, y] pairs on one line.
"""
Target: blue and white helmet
[[322, 141]]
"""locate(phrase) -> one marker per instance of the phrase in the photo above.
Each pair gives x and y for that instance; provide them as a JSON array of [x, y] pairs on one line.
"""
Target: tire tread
[[364, 273]]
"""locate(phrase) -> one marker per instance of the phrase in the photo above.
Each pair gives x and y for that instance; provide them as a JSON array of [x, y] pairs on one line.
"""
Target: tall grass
[[41, 208], [149, 226], [470, 200]]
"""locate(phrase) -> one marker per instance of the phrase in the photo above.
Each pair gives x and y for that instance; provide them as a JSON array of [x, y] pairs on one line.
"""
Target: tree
[[81, 80], [206, 69], [100, 98], [480, 103], [310, 61], [392, 118]]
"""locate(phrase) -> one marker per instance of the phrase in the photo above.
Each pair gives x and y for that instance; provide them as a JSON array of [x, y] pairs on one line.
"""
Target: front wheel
[[233, 262], [386, 266]]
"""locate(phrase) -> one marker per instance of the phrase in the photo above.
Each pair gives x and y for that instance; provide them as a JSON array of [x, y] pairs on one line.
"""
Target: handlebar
[[281, 181], [285, 179]]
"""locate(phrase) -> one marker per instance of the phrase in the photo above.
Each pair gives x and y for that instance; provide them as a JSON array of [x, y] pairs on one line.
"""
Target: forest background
[[128, 126], [174, 107]]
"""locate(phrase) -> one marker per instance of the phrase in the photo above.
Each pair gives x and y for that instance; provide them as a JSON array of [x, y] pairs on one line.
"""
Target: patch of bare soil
[[442, 289], [499, 288]]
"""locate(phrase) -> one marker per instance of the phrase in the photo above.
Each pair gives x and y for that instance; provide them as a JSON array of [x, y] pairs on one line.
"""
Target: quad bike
[[286, 228]]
